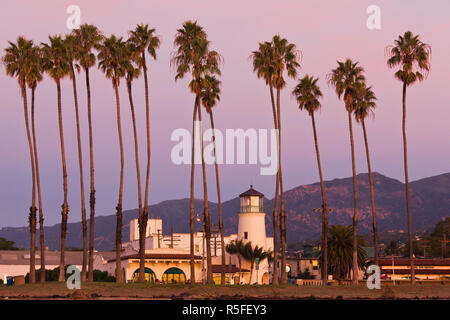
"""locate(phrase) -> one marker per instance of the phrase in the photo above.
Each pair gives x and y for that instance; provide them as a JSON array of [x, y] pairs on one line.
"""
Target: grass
[[105, 290]]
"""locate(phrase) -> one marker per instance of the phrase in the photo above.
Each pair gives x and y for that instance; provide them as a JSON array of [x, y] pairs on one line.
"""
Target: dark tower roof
[[251, 192]]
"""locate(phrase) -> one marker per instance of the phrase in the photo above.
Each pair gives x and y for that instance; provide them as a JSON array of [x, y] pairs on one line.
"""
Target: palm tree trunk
[[408, 207], [147, 177], [65, 206], [80, 163], [207, 217], [219, 202], [251, 272], [355, 204], [32, 214], [240, 267], [92, 186], [282, 209], [191, 206], [275, 209], [142, 232], [38, 184], [324, 209], [119, 278], [372, 198]]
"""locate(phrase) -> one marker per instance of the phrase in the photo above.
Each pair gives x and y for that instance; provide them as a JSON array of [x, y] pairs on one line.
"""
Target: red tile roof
[[162, 256], [417, 262], [417, 271], [217, 268]]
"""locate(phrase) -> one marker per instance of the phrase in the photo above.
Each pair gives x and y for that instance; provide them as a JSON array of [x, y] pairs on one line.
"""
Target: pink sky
[[323, 30]]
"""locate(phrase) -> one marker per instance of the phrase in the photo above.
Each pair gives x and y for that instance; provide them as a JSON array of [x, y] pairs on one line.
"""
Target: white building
[[167, 257]]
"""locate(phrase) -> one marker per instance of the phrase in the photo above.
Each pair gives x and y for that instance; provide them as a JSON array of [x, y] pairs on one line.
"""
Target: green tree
[[412, 56], [72, 48], [307, 94], [210, 95], [250, 254], [364, 107], [113, 62], [236, 247], [340, 252], [7, 245], [89, 37], [346, 79], [17, 63], [57, 66], [144, 39]]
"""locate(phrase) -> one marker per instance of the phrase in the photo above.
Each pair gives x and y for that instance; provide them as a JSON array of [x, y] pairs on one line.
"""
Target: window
[[197, 248], [245, 235]]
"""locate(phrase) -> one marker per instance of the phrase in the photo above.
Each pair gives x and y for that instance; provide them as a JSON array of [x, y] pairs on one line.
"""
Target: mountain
[[430, 202]]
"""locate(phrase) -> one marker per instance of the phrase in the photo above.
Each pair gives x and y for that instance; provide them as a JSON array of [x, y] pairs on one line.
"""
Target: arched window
[[149, 275], [174, 275]]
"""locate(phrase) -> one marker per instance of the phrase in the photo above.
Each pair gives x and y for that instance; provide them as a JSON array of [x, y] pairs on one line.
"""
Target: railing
[[252, 208], [309, 283]]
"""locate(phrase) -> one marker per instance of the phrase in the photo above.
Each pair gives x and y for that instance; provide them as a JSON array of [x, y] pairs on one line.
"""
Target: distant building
[[167, 257], [425, 269]]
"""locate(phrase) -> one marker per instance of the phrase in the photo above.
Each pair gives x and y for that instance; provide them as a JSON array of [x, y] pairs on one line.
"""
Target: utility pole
[[444, 246], [424, 245]]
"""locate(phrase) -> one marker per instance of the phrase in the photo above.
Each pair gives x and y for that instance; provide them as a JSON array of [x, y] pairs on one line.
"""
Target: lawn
[[104, 290]]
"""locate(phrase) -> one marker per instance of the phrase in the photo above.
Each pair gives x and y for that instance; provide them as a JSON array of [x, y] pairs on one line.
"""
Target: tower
[[252, 226]]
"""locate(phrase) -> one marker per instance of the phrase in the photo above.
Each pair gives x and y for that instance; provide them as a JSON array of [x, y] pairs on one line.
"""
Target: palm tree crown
[[144, 38], [113, 58], [308, 93], [88, 37], [413, 57], [365, 103], [55, 58], [17, 59]]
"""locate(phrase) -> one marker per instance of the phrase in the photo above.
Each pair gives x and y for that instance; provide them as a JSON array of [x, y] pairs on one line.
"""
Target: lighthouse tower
[[252, 228]]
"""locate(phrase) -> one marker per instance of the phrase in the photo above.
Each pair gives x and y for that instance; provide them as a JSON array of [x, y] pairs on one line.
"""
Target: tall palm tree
[[286, 58], [263, 65], [191, 50], [113, 62], [89, 37], [236, 247], [132, 73], [412, 56], [34, 76], [144, 39], [72, 51], [364, 107], [308, 93], [17, 63], [340, 252], [345, 79], [209, 96], [57, 66]]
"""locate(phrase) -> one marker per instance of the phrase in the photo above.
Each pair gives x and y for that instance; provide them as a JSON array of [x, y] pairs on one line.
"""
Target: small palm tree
[[34, 76], [57, 66], [340, 252], [236, 247], [412, 56], [89, 37], [307, 94], [346, 79], [144, 39], [250, 254], [210, 95], [364, 107], [72, 48], [113, 62], [17, 60]]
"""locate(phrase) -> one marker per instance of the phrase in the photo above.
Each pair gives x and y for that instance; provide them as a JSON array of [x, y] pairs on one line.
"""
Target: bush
[[53, 275], [305, 275]]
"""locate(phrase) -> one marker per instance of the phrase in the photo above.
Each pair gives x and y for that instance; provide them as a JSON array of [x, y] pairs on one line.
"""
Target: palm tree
[[413, 57], [89, 37], [209, 96], [236, 247], [57, 66], [340, 251], [144, 39], [113, 62], [72, 50], [34, 76], [251, 253], [364, 107], [285, 59], [263, 65], [132, 73], [345, 79], [308, 93], [192, 55], [17, 62]]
